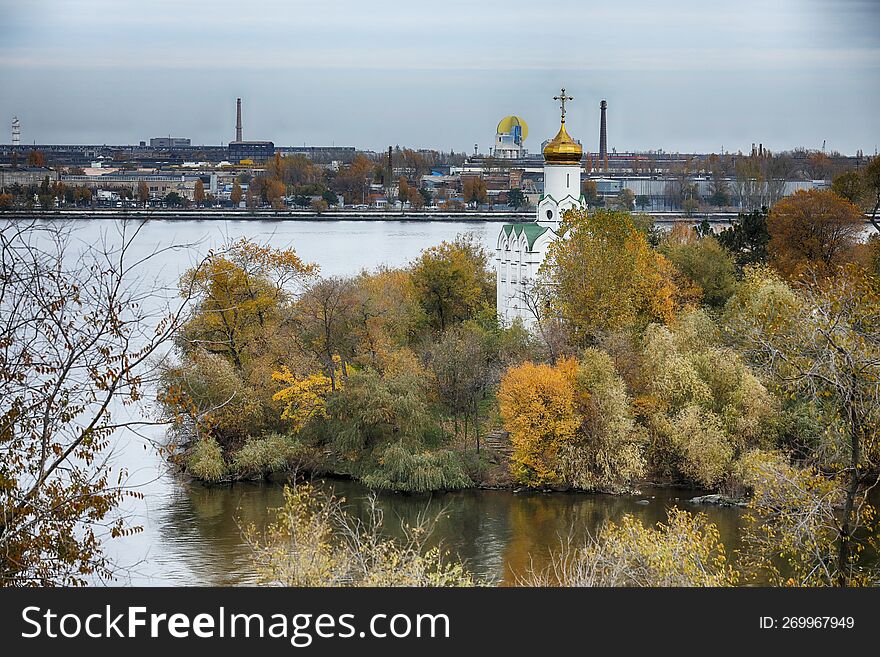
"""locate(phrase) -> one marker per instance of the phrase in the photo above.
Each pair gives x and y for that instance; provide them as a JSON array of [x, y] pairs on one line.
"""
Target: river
[[191, 534]]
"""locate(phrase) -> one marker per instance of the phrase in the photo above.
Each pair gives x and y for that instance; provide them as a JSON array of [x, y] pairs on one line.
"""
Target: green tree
[[453, 281], [747, 239], [709, 265], [516, 198], [849, 185]]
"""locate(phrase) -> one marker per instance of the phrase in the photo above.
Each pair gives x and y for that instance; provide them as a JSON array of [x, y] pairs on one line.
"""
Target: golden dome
[[562, 149]]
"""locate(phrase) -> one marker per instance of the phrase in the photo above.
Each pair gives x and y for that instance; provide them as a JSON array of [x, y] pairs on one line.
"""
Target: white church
[[521, 248]]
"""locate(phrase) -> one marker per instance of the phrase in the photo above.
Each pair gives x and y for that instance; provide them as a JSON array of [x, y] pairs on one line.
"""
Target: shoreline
[[339, 215]]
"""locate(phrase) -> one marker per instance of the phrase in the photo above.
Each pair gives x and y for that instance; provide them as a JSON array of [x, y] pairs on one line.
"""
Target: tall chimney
[[238, 120], [603, 137]]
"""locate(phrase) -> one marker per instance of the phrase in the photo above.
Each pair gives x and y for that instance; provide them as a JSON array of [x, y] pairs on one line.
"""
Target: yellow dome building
[[509, 137]]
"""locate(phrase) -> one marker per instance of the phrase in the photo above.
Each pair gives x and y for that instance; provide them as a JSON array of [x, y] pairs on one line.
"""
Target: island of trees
[[745, 363]]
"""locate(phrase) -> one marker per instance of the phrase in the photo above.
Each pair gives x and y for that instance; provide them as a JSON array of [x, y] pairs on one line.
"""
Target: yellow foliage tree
[[303, 398], [607, 277], [239, 292], [538, 408]]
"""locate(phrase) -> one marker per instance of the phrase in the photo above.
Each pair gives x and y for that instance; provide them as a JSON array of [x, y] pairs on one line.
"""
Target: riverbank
[[207, 214]]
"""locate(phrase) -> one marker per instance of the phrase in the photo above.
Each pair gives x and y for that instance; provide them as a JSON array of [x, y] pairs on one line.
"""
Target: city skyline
[[795, 73]]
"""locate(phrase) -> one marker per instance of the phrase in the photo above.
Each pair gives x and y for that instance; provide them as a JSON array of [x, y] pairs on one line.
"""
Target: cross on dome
[[562, 98]]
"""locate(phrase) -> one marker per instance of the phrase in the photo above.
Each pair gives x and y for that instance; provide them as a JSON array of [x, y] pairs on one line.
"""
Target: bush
[[402, 470], [702, 448], [706, 404], [685, 551], [206, 462], [608, 451], [313, 541], [260, 456]]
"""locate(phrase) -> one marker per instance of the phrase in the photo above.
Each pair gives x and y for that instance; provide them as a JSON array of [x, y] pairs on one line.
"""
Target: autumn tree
[[812, 230], [36, 159], [571, 425], [625, 199], [820, 343], [238, 292], [143, 192], [385, 315], [78, 346], [324, 316], [353, 180], [537, 405], [590, 190], [703, 404], [199, 193], [236, 194], [473, 189], [605, 276], [453, 281]]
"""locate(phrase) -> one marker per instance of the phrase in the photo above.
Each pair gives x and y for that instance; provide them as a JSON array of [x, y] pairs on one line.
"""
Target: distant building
[[256, 151], [25, 176], [169, 142], [509, 137]]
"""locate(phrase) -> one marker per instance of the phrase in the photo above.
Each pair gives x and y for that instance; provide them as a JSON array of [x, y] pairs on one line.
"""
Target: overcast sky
[[681, 75]]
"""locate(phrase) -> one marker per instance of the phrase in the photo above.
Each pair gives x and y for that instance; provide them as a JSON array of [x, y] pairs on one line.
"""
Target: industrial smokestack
[[238, 120], [603, 137]]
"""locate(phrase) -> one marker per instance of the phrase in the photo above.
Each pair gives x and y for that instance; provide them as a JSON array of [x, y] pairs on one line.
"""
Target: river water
[[191, 534]]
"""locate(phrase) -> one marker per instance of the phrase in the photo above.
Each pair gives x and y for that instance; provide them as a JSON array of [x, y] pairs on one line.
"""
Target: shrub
[[260, 456], [703, 449], [685, 551], [607, 453], [403, 470], [313, 541], [206, 462]]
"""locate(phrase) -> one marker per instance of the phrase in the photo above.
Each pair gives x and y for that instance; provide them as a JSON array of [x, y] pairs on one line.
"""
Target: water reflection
[[497, 533]]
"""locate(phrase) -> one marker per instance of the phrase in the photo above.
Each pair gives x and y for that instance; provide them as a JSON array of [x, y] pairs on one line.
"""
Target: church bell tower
[[562, 174]]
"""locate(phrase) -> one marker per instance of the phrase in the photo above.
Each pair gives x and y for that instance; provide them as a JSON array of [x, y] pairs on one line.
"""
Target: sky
[[678, 75]]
